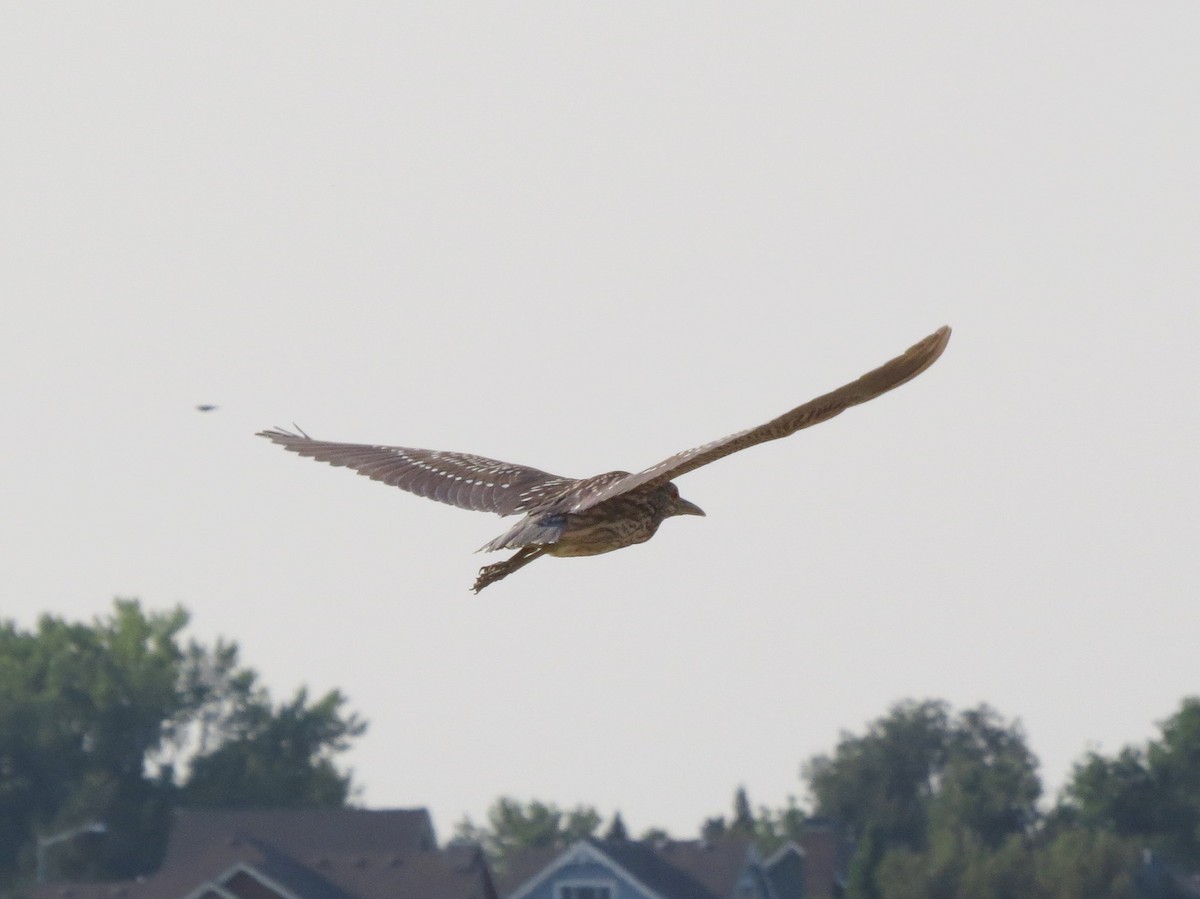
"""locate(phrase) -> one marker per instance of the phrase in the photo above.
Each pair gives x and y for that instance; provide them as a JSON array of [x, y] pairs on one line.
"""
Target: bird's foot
[[489, 574]]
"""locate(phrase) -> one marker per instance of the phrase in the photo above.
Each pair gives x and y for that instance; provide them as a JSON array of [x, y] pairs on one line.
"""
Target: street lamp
[[44, 843]]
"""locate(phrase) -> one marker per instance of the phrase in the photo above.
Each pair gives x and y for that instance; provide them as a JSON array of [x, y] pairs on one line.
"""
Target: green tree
[[959, 865], [988, 783], [1174, 762], [775, 827], [768, 828], [1117, 794], [1151, 793], [1087, 864], [97, 720], [82, 707], [616, 829], [921, 773], [512, 826], [1075, 864], [580, 822], [880, 783], [714, 829], [743, 823], [280, 758]]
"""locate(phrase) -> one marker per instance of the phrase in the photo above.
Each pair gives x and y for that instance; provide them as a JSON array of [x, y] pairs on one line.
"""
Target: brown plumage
[[583, 517]]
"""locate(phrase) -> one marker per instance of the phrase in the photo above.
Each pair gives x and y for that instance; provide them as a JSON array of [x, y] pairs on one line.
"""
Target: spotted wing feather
[[458, 479], [890, 375]]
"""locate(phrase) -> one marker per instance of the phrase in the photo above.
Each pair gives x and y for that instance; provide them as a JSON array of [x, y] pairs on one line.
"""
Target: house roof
[[304, 834], [784, 870], [449, 874], [512, 872], [714, 865], [337, 854], [275, 869], [826, 857], [690, 869]]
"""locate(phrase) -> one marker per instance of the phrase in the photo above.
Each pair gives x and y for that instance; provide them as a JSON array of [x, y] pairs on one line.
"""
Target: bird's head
[[679, 505]]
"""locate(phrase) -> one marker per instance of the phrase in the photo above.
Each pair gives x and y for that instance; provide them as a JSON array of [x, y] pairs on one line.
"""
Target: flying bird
[[585, 516]]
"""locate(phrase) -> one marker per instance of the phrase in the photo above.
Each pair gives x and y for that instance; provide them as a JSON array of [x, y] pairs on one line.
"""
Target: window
[[591, 890]]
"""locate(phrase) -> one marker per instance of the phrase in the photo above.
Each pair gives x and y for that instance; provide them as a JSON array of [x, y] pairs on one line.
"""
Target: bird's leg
[[489, 574]]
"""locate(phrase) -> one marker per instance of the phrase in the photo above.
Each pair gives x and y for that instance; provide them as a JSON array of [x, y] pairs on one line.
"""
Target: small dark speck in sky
[[206, 407]]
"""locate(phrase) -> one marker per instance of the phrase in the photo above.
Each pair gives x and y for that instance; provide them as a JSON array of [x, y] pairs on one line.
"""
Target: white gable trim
[[581, 852], [210, 886], [250, 870], [790, 846], [217, 883]]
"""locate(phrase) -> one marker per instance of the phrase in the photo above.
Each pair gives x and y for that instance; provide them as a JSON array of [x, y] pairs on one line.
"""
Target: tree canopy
[[1151, 792], [119, 721], [944, 806], [922, 781], [513, 825]]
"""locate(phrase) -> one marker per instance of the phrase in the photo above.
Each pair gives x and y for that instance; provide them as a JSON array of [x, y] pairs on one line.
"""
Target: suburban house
[[626, 869], [300, 854], [393, 854], [813, 867], [819, 861], [787, 870]]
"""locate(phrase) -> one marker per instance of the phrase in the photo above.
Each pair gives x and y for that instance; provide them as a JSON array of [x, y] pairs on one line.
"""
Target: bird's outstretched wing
[[891, 374], [459, 479]]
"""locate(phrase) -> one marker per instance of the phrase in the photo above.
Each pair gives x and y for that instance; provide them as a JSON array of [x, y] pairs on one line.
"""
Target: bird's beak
[[683, 507]]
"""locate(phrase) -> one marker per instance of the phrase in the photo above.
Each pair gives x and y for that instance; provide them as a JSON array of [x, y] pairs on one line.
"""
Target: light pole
[[44, 843]]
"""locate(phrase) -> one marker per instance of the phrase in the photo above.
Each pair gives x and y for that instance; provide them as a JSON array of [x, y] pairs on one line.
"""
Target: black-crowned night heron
[[587, 516]]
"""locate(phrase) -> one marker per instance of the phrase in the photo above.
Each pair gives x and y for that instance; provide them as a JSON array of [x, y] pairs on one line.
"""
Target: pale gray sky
[[582, 237]]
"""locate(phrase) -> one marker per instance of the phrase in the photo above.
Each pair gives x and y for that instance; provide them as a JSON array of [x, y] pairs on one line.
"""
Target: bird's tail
[[529, 531]]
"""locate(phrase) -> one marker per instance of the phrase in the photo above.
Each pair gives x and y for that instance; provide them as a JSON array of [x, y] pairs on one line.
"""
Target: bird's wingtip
[[936, 342], [282, 435]]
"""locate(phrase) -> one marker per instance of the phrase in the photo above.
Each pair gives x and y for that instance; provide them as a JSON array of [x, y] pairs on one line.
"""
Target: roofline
[[480, 863], [210, 886], [568, 856], [428, 829], [789, 846], [243, 868]]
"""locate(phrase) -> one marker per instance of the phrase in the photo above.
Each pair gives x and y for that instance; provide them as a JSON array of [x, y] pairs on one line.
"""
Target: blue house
[[625, 869]]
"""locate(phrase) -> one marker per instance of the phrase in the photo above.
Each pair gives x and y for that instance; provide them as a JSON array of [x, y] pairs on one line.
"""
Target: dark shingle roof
[[516, 870], [690, 869], [292, 875], [428, 875], [716, 865], [305, 833], [336, 854], [785, 872], [826, 857]]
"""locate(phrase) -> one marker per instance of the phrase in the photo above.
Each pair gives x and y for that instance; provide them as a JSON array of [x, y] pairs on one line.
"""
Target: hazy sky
[[583, 237]]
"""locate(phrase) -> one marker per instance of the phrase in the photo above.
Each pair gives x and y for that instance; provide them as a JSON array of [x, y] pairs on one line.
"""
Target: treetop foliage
[[944, 806], [939, 804], [513, 825], [120, 721], [1151, 793]]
